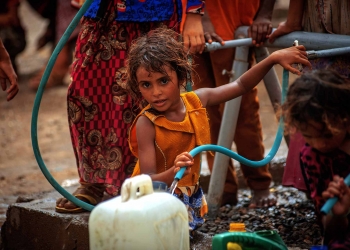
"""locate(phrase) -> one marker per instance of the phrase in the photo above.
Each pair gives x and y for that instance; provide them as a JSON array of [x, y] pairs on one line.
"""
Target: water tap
[[297, 65], [229, 73]]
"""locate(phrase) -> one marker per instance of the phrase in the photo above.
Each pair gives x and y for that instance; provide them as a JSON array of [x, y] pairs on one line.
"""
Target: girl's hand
[[193, 35], [183, 160], [337, 188], [209, 30], [286, 57]]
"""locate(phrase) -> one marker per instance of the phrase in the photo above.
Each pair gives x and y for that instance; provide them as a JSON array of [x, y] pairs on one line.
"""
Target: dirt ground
[[19, 171]]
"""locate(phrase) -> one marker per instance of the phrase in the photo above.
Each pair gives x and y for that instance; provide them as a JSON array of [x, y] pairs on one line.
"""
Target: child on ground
[[318, 107], [173, 123]]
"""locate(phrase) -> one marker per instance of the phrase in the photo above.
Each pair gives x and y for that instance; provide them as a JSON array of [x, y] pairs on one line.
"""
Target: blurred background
[[19, 171]]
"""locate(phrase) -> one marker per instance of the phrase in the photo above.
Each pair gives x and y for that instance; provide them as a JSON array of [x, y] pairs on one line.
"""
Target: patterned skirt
[[196, 205], [100, 111]]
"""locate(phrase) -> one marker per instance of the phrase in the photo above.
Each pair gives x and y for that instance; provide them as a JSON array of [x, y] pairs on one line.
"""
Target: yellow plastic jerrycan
[[139, 219]]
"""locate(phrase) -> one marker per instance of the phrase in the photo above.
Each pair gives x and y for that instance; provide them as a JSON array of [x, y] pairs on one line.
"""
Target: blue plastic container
[[319, 248]]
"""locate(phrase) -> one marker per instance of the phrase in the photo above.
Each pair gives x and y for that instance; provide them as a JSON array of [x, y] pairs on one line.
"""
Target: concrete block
[[33, 223]]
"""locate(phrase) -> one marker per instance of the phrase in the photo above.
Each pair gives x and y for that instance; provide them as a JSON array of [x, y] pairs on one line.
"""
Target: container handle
[[136, 187]]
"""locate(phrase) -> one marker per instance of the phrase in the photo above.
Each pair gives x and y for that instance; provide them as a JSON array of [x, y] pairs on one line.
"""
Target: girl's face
[[322, 139], [160, 90]]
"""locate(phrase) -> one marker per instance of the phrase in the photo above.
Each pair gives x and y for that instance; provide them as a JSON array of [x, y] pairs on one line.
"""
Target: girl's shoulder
[[191, 100]]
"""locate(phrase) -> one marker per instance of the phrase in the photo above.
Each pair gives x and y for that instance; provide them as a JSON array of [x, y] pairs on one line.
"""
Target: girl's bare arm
[[145, 134], [284, 57]]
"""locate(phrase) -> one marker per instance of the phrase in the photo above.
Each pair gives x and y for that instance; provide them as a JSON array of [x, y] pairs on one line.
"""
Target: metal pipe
[[271, 82], [328, 52], [226, 135], [228, 44], [311, 40]]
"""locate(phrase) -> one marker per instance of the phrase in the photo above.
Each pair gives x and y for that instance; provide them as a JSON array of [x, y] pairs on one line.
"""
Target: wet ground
[[293, 218], [19, 171]]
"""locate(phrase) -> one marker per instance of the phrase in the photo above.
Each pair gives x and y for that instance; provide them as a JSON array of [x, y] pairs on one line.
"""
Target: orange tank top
[[173, 138]]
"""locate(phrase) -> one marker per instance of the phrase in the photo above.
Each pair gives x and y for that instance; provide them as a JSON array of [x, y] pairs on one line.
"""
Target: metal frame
[[312, 41]]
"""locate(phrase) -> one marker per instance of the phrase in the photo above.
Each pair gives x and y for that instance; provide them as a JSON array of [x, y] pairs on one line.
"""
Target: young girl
[[100, 109], [318, 107], [174, 123]]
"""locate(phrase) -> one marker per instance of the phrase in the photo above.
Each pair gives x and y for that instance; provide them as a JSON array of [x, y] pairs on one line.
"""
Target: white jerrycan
[[139, 219]]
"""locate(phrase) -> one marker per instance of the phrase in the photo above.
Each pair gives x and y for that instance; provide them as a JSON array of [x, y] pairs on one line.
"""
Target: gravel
[[293, 218]]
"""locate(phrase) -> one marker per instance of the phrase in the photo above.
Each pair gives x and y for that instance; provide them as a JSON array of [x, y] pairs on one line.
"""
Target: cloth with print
[[146, 10], [100, 111], [319, 169]]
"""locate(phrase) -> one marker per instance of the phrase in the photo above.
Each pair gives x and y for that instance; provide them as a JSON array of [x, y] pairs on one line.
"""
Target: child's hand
[[260, 29], [286, 57], [209, 30], [193, 35], [183, 160], [7, 74], [338, 188]]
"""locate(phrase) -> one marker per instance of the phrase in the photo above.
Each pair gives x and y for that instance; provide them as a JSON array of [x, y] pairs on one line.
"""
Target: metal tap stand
[[312, 41], [230, 115]]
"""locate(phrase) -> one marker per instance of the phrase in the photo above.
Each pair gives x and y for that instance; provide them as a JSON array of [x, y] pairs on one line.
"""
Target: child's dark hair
[[322, 96], [153, 51]]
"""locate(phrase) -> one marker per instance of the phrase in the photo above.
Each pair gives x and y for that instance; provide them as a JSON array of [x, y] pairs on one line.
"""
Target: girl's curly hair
[[322, 96], [152, 51]]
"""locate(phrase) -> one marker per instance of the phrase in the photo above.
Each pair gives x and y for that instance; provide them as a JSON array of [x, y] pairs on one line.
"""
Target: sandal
[[90, 193]]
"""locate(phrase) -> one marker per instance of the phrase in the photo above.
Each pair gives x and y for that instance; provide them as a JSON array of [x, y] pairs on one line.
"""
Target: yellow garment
[[173, 138]]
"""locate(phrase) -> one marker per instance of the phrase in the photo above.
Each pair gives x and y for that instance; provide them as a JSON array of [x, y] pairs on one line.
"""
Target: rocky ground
[[293, 217]]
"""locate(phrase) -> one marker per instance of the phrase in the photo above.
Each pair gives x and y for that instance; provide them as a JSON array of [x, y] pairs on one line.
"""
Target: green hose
[[236, 156], [39, 94]]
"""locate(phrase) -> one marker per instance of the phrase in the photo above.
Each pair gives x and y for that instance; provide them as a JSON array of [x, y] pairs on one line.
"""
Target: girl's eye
[[164, 80], [146, 85]]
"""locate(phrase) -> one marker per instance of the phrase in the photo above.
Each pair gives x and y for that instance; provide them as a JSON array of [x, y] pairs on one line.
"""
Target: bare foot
[[262, 198]]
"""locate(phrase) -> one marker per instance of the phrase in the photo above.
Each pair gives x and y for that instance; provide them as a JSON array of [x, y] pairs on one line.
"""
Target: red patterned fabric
[[319, 169], [99, 110]]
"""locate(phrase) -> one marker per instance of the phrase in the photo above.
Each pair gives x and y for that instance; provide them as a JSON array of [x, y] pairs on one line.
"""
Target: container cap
[[237, 227], [159, 186]]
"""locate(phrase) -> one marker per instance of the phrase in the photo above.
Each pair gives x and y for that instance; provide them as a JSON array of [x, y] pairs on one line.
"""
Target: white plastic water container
[[139, 219]]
